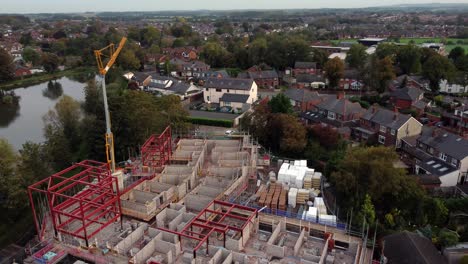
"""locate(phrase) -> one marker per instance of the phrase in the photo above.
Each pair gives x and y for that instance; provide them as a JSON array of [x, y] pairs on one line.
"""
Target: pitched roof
[[408, 93], [411, 248], [386, 117], [446, 142], [229, 83], [234, 98], [300, 95], [340, 106], [268, 74], [305, 65], [140, 76], [180, 87]]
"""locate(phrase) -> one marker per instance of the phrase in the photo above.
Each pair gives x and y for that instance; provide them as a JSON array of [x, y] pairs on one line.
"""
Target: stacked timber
[[316, 179]]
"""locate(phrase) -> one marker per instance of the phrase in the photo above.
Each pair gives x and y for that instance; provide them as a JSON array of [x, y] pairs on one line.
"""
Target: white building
[[452, 88], [215, 89]]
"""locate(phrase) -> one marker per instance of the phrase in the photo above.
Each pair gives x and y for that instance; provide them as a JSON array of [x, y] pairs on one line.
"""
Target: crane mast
[[112, 53]]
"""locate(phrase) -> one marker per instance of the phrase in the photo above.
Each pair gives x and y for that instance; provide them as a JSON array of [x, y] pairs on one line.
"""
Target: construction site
[[216, 198], [190, 200]]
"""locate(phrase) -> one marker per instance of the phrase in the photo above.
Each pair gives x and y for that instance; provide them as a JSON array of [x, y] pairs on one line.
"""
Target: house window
[[430, 150], [443, 156], [381, 139], [228, 90], [227, 103], [206, 89], [218, 90], [383, 129], [392, 132], [208, 98], [331, 115]]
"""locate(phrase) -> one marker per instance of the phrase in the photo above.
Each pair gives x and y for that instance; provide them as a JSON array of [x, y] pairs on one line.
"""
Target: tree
[[447, 238], [9, 180], [149, 36], [214, 54], [370, 171], [50, 62], [257, 51], [280, 104], [7, 69], [33, 164], [368, 211], [357, 55], [178, 43], [436, 211], [437, 68], [385, 73], [456, 53], [319, 56], [26, 39], [409, 58], [334, 71], [128, 60], [386, 50], [287, 134], [62, 132], [32, 56]]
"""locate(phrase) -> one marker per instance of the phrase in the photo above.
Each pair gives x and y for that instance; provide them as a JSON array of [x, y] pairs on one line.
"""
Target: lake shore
[[44, 77]]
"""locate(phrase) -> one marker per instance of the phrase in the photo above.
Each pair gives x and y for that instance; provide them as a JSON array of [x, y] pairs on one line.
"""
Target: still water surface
[[21, 123]]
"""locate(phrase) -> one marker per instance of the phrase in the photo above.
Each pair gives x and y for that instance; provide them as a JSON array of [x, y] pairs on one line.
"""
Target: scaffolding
[[81, 200]]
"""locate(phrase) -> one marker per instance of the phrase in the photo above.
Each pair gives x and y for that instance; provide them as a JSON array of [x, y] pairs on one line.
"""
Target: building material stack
[[316, 180], [282, 200], [302, 196]]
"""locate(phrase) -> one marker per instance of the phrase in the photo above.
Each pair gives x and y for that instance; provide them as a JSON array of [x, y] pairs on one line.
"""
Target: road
[[212, 115]]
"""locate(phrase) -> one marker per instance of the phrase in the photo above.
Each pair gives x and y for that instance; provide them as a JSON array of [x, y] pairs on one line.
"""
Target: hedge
[[211, 122]]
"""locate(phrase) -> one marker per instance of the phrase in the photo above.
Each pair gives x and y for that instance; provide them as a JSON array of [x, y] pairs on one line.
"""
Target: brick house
[[315, 81], [303, 99], [408, 97], [264, 78], [188, 69], [22, 71], [386, 127], [183, 53], [351, 80], [304, 67], [440, 153], [337, 111]]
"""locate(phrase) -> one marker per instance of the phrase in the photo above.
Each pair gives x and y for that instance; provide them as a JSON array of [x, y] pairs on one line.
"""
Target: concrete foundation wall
[[209, 191], [155, 246], [271, 248], [299, 242], [126, 244], [197, 202]]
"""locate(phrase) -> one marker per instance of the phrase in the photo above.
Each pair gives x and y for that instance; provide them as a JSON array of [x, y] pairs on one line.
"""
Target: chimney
[[374, 108]]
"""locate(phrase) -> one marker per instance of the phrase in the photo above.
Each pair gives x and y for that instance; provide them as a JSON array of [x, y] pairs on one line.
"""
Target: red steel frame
[[157, 150], [208, 227], [89, 199]]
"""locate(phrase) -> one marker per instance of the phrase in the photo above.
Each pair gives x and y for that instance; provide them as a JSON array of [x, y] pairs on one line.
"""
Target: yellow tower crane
[[112, 53]]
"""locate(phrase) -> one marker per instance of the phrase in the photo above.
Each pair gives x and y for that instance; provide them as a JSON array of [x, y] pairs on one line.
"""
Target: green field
[[450, 43]]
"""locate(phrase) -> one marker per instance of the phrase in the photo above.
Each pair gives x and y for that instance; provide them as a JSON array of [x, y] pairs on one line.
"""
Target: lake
[[21, 123]]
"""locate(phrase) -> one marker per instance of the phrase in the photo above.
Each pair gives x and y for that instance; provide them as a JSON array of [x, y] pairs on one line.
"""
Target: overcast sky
[[53, 6]]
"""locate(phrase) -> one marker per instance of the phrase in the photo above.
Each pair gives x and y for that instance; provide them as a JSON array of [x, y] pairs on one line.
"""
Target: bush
[[211, 122]]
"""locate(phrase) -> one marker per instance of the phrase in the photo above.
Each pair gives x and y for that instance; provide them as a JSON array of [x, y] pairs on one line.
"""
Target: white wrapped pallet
[[299, 181], [329, 220], [297, 163], [304, 163], [320, 204], [292, 194], [312, 214], [282, 174]]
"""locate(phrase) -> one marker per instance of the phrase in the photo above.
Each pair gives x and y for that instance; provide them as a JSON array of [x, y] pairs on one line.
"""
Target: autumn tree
[[386, 50], [128, 60], [6, 66], [319, 56], [287, 134], [50, 62], [334, 71]]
